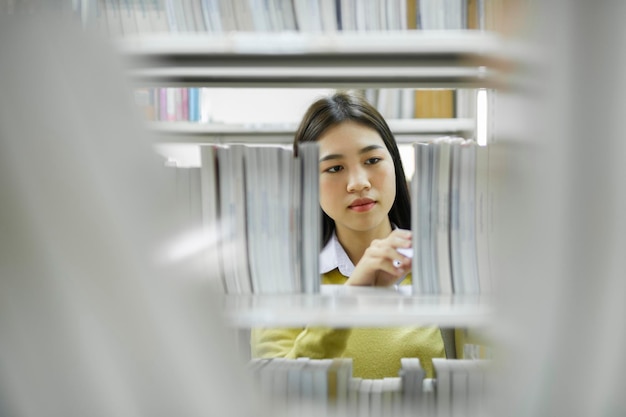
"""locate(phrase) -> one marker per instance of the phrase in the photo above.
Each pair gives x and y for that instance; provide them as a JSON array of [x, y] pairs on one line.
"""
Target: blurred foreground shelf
[[343, 306]]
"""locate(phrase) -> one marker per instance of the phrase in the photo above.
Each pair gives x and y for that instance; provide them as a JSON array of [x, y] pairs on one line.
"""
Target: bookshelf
[[437, 59], [561, 251], [340, 306], [405, 131], [460, 59], [442, 60]]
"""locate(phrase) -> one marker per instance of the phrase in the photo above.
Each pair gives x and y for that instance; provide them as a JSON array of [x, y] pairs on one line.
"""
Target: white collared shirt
[[334, 256]]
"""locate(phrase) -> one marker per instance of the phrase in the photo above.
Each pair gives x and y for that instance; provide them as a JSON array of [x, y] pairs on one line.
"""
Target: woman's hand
[[382, 264]]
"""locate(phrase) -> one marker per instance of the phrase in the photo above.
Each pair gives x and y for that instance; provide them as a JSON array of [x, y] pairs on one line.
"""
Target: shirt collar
[[334, 256]]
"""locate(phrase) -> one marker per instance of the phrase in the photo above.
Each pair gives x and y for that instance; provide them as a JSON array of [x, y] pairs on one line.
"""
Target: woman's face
[[357, 177]]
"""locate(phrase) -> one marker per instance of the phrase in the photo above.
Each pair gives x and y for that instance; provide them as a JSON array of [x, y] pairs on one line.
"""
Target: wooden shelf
[[343, 306]]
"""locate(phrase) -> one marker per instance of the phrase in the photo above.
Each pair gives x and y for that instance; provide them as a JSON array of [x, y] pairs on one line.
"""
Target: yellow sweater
[[375, 352]]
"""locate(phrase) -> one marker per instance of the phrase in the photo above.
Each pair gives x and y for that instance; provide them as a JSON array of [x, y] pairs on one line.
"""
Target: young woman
[[366, 216]]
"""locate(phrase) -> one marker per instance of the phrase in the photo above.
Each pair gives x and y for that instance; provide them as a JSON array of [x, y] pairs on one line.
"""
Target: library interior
[[312, 208]]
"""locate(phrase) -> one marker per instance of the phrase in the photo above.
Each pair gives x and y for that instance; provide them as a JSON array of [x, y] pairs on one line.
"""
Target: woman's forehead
[[349, 137]]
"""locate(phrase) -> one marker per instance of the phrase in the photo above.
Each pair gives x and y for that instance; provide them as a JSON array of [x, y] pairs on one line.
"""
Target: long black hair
[[342, 107]]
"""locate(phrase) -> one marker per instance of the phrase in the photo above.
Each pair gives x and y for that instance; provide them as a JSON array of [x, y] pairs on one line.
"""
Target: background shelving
[[405, 131]]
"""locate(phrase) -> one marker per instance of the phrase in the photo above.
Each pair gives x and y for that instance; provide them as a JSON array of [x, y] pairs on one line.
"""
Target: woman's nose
[[358, 181]]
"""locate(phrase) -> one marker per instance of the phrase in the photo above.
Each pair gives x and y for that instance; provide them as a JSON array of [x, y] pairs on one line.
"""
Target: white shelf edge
[[405, 131], [341, 306], [427, 43], [427, 59]]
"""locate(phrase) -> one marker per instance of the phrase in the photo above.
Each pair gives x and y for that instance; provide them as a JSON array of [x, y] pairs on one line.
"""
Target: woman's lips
[[362, 204]]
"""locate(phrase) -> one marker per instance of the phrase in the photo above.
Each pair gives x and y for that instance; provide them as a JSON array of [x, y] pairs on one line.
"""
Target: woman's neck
[[355, 242]]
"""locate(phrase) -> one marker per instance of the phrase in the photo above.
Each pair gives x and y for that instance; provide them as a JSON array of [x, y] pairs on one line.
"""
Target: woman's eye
[[334, 169], [372, 161]]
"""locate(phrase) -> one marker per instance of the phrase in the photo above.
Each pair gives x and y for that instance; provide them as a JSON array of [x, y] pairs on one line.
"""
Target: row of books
[[406, 103], [198, 104], [174, 104], [327, 386], [260, 204], [132, 17], [450, 217]]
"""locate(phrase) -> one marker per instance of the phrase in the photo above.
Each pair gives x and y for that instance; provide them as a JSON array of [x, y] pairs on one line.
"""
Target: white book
[[179, 15], [212, 15], [373, 15], [274, 15], [226, 220], [263, 211], [354, 386], [210, 205], [295, 223], [482, 219], [467, 217], [455, 214], [311, 222], [266, 379], [412, 376], [376, 398], [239, 207], [271, 171], [206, 105], [253, 187], [261, 15], [141, 12], [198, 16], [364, 403], [339, 377], [407, 103], [391, 386], [228, 22], [403, 15], [279, 382], [475, 389], [127, 16], [424, 270], [188, 15], [459, 387], [291, 186], [392, 15], [308, 15], [243, 15], [306, 384], [157, 14], [348, 15], [360, 14], [443, 387], [328, 14], [381, 12], [294, 397], [287, 15], [233, 220], [443, 216], [429, 397], [320, 369], [281, 219]]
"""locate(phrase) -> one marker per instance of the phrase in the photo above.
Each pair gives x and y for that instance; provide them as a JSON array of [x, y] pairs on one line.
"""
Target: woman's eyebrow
[[339, 156]]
